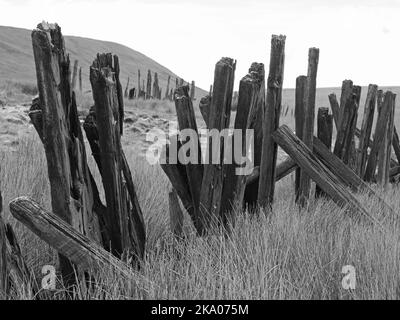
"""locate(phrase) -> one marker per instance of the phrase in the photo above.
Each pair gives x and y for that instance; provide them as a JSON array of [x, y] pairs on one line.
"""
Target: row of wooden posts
[[152, 89], [90, 234]]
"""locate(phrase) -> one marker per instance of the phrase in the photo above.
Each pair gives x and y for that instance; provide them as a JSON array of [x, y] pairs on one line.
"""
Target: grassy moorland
[[285, 253]]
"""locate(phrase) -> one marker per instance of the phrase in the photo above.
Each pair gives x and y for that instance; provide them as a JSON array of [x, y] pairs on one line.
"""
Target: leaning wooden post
[[309, 119], [366, 129], [74, 194], [74, 75], [317, 171], [325, 127], [301, 83], [82, 251], [124, 218], [380, 132], [220, 111], [167, 92], [271, 121]]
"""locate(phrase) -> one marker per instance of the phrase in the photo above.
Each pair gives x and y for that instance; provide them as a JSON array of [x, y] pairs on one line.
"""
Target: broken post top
[[228, 62], [53, 32], [181, 93], [256, 73]]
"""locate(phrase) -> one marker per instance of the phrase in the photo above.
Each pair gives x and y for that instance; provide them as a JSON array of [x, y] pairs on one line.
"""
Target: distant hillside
[[17, 63]]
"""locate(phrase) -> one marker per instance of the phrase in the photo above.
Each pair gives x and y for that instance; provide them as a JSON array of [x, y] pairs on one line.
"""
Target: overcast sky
[[358, 40]]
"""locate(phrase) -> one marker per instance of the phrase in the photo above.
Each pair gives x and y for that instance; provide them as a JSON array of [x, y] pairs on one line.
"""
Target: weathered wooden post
[[251, 91], [80, 80], [366, 129], [309, 118], [74, 194], [271, 121], [204, 107], [301, 84], [156, 89], [220, 110], [123, 218], [325, 127], [176, 217], [176, 83], [348, 121], [127, 89], [211, 90], [148, 88], [167, 91], [380, 133], [74, 74], [3, 255], [139, 88], [193, 91]]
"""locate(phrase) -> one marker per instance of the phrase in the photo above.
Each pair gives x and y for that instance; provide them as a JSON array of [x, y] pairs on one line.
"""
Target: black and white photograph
[[195, 157]]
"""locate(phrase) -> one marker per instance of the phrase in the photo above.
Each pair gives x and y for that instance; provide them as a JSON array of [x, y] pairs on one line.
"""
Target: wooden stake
[[74, 75], [271, 121], [175, 215], [308, 132]]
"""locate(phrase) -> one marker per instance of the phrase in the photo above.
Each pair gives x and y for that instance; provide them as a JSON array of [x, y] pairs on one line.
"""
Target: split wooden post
[[309, 119], [220, 111], [347, 125], [325, 127], [335, 109], [82, 251], [189, 134], [148, 88], [301, 83], [124, 218], [317, 171], [366, 129], [74, 194], [74, 75], [380, 132], [251, 90], [271, 121], [176, 217]]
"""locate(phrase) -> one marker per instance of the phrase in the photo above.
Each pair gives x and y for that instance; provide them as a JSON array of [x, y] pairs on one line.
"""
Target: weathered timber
[[156, 88], [324, 129], [309, 118], [127, 89], [167, 92], [204, 106], [366, 129], [148, 87], [192, 91], [396, 144], [347, 92], [335, 108], [251, 90], [283, 169], [80, 80], [187, 121], [124, 217], [301, 83], [219, 118], [176, 217], [139, 88], [379, 136], [82, 251], [271, 121], [317, 171], [347, 126], [72, 186], [74, 75], [211, 90]]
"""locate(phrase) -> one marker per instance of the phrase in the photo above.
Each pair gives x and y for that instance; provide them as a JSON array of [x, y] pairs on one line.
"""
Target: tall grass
[[285, 253]]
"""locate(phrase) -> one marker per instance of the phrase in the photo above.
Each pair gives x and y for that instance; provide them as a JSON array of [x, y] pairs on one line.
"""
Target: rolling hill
[[17, 63]]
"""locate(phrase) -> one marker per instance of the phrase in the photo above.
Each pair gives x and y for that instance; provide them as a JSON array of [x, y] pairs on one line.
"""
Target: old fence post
[[124, 218], [271, 121], [74, 74], [193, 90], [80, 80], [74, 193], [148, 87], [309, 118]]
